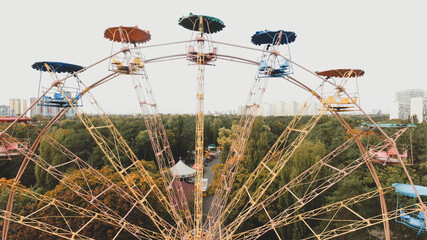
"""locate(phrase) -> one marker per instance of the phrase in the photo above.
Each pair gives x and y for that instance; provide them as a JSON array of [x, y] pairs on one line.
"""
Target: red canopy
[[130, 34], [341, 73], [12, 119]]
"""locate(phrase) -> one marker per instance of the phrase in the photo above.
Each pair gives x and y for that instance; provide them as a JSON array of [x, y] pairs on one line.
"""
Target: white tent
[[182, 170]]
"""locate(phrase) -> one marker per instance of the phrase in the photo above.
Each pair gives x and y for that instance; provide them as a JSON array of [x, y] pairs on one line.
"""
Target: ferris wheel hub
[[191, 235]]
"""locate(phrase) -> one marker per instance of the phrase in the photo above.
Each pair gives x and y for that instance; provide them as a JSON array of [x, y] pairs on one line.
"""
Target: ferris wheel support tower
[[202, 26], [200, 115]]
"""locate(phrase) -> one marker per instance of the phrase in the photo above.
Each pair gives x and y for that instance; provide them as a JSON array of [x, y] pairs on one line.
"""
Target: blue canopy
[[408, 190], [269, 37], [390, 125], [58, 67]]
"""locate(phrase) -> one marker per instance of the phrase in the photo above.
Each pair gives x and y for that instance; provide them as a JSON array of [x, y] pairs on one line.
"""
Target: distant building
[[4, 111], [377, 111], [419, 108], [291, 108], [36, 109], [266, 109], [402, 107], [314, 109], [279, 108], [24, 105], [404, 96], [399, 110], [46, 111], [15, 106]]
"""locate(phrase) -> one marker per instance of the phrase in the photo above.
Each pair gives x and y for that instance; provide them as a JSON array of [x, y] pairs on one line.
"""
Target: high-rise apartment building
[[419, 108], [291, 108], [279, 108], [45, 111], [24, 105], [15, 106]]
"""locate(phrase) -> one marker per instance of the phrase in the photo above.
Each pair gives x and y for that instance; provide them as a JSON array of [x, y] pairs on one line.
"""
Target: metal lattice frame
[[162, 148], [310, 193], [86, 195], [155, 128], [69, 211], [116, 150], [237, 149]]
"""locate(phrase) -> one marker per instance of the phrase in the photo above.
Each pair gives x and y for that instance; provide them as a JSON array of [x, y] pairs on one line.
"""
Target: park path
[[208, 173]]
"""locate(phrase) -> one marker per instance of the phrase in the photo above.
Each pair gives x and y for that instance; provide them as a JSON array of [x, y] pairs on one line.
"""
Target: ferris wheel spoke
[[311, 194], [87, 171], [25, 163], [69, 212], [42, 226], [312, 214], [271, 165], [240, 140], [160, 144], [163, 226], [162, 151], [118, 151], [236, 150], [362, 222], [299, 180]]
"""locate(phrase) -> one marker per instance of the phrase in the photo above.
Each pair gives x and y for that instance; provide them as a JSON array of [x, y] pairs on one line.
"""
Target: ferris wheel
[[161, 200]]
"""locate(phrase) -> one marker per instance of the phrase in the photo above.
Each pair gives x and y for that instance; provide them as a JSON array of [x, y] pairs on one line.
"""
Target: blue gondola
[[55, 98], [273, 66], [414, 220]]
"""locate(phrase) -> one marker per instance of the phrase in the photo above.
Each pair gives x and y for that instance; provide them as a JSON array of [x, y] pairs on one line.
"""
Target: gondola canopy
[[130, 34], [210, 24], [389, 125], [270, 37], [58, 67], [341, 73], [408, 190]]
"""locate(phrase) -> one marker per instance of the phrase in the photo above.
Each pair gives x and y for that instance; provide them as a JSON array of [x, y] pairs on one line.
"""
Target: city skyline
[[399, 108]]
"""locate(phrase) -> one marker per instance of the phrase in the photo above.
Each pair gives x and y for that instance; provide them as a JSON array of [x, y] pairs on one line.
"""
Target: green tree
[[143, 148], [51, 155], [304, 157], [258, 144], [224, 140], [97, 229]]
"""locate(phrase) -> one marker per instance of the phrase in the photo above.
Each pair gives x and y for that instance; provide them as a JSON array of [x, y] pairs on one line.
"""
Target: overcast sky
[[387, 39]]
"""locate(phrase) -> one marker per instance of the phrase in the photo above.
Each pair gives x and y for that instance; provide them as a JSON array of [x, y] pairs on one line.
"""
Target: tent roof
[[182, 170], [408, 190]]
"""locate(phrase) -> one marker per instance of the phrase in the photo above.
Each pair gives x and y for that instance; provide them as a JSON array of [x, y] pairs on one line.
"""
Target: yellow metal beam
[[198, 196]]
